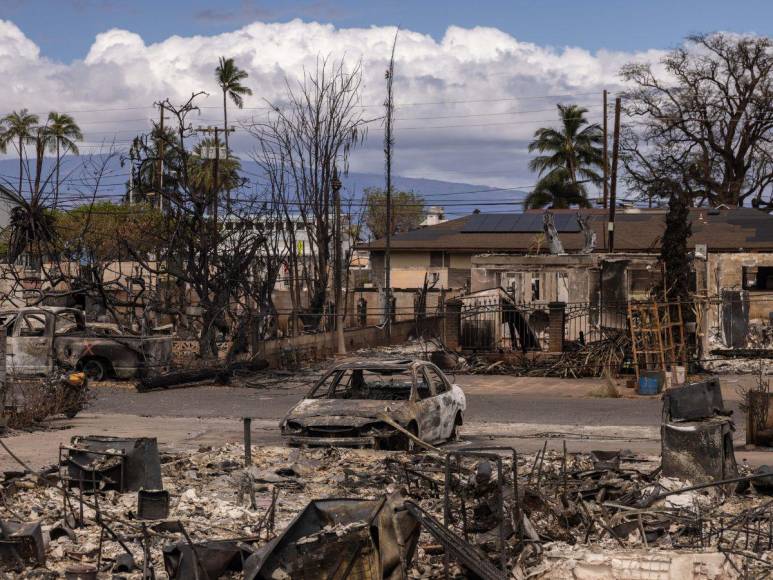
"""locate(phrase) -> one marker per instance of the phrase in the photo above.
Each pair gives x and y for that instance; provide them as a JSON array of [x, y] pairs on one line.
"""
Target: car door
[[428, 407], [447, 405], [30, 344], [7, 321]]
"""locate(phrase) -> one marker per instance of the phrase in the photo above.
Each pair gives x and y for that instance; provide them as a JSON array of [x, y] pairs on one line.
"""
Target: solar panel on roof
[[517, 223]]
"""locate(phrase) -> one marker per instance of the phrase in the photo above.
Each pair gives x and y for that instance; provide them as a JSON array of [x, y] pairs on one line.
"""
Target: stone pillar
[[452, 324], [557, 314]]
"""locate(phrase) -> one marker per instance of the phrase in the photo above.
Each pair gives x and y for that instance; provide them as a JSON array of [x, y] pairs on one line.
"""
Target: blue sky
[[65, 29], [474, 78]]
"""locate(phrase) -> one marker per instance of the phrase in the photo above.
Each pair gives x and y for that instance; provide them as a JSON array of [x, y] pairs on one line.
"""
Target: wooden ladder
[[653, 332]]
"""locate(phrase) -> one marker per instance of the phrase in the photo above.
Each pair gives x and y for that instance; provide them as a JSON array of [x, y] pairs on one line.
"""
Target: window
[[366, 384], [642, 281], [534, 288], [437, 382], [65, 323], [759, 278], [422, 386], [436, 259], [322, 390], [32, 325]]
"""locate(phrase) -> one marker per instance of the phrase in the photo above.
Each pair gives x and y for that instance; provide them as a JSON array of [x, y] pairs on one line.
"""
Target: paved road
[[496, 399], [521, 412]]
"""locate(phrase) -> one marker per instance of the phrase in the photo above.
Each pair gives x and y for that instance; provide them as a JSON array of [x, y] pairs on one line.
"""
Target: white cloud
[[483, 139]]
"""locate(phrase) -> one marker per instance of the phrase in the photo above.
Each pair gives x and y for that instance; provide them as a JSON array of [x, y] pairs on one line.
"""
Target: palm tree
[[63, 132], [230, 77], [201, 172], [18, 128], [556, 190], [573, 152]]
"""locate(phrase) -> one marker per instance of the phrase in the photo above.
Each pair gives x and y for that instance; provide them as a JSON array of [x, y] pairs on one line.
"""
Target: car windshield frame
[[327, 386]]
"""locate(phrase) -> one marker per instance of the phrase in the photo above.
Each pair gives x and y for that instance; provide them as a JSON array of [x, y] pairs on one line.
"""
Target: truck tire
[[95, 369]]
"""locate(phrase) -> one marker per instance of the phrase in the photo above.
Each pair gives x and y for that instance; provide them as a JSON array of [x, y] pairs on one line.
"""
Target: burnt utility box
[[697, 434], [119, 463], [695, 401], [699, 451], [21, 545], [152, 504]]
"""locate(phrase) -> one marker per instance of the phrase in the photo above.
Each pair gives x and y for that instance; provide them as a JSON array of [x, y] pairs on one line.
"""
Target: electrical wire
[[398, 105]]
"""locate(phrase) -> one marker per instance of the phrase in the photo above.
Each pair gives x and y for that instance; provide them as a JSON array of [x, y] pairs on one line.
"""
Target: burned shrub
[[29, 402]]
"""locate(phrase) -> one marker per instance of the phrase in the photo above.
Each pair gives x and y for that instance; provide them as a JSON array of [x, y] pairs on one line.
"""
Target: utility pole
[[215, 175], [613, 187], [131, 186], [606, 154], [160, 147], [340, 307], [388, 143]]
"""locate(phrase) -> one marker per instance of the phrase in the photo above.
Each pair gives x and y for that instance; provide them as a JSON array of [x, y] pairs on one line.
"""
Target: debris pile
[[741, 359], [484, 512], [592, 359]]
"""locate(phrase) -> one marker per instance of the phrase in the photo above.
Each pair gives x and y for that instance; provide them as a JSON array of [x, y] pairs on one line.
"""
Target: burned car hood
[[357, 412]]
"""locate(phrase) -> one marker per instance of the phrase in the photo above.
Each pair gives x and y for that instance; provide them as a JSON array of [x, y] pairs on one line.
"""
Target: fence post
[[557, 316], [452, 324]]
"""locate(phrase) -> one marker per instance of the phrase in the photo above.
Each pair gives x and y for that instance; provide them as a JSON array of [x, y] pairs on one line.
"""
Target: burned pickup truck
[[354, 403], [42, 338]]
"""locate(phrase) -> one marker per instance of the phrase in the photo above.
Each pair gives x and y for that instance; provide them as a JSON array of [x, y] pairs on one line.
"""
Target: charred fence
[[494, 325]]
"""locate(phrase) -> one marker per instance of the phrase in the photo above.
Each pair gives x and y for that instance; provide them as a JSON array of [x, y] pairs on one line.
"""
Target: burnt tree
[[206, 260], [673, 253], [297, 146]]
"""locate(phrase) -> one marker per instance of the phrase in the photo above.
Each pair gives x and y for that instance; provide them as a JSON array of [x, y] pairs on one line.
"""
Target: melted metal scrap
[[21, 544], [341, 538], [184, 560], [119, 463]]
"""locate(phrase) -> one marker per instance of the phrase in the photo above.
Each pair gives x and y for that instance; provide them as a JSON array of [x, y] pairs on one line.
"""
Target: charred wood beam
[[179, 379]]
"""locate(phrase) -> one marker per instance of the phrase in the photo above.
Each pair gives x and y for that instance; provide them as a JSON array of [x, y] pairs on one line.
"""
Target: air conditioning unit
[[701, 251]]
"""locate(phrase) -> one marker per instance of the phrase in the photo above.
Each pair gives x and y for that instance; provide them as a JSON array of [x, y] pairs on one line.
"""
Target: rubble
[[592, 359], [745, 359], [552, 514]]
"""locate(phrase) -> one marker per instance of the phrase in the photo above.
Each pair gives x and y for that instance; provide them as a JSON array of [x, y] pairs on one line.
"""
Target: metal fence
[[493, 324], [732, 320]]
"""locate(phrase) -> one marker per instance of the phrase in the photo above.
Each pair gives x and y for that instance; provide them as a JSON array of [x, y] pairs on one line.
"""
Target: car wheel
[[95, 369]]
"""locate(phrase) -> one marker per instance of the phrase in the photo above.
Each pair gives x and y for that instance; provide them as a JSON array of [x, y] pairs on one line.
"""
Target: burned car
[[41, 338], [346, 407]]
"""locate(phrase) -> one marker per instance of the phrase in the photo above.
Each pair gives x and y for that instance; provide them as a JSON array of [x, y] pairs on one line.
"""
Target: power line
[[398, 105]]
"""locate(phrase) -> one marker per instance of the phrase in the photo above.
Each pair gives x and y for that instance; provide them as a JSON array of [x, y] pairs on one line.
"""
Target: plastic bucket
[[679, 375], [650, 383]]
